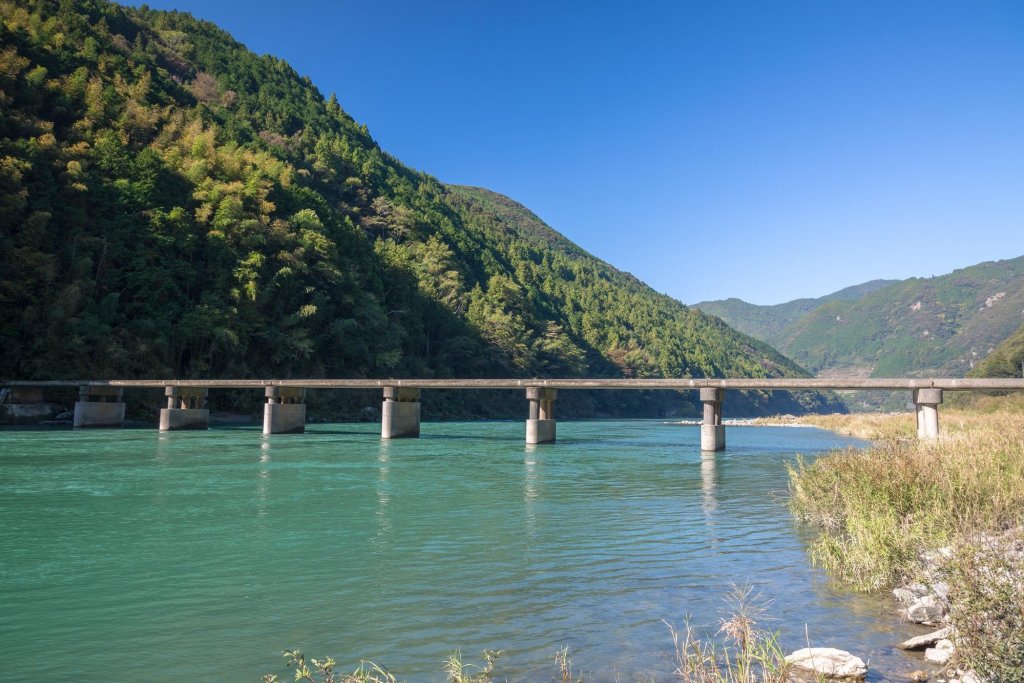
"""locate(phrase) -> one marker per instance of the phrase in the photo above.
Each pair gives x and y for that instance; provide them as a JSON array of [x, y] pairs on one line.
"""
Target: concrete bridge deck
[[760, 383], [101, 403]]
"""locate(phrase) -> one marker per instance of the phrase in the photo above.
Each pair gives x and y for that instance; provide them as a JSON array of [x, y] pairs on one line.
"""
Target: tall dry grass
[[879, 507], [871, 426], [741, 651]]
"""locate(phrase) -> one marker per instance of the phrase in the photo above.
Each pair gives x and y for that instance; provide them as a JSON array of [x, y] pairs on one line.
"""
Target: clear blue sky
[[765, 150]]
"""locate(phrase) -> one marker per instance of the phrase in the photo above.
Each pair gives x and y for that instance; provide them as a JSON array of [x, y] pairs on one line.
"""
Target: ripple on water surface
[[194, 556]]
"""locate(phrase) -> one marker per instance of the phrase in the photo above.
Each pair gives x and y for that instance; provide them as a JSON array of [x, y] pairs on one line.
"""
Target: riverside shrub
[[880, 507], [986, 583]]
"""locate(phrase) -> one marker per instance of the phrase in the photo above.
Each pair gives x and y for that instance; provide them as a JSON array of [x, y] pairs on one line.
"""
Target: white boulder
[[939, 654], [828, 662]]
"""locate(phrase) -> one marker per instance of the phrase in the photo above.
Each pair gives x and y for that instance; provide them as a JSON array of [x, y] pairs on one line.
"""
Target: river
[[135, 555]]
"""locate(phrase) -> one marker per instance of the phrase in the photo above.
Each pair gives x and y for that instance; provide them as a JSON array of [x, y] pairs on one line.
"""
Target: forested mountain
[[922, 326], [769, 322], [173, 205]]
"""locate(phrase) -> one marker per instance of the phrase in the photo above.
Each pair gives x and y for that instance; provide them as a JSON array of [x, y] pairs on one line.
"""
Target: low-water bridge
[[100, 402]]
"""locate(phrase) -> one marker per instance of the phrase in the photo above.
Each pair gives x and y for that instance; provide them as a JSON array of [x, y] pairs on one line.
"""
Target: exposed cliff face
[[174, 205]]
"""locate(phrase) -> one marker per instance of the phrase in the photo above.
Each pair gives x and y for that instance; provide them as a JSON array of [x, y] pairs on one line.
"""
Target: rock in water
[[926, 640], [910, 593], [939, 654], [828, 662], [926, 610]]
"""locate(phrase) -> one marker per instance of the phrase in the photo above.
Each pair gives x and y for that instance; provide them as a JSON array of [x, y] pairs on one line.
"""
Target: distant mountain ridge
[[768, 322], [941, 325]]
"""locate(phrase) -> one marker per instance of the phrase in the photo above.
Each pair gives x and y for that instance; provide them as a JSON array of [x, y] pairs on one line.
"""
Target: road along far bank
[[940, 523]]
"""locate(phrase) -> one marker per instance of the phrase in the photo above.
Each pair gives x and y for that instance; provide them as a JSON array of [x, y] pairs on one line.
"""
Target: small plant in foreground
[[564, 662], [739, 652], [459, 672], [322, 671], [749, 655]]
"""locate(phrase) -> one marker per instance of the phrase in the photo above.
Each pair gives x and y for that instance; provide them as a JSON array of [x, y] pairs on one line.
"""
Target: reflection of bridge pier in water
[[531, 490], [383, 492], [263, 479], [709, 482], [101, 402]]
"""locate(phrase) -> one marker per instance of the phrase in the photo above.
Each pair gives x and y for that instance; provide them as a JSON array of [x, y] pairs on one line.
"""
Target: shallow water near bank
[[129, 554]]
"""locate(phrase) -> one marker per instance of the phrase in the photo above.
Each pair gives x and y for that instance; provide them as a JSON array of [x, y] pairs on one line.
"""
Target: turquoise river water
[[134, 555]]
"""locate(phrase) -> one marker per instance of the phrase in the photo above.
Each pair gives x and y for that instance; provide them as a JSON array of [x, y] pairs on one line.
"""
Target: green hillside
[[173, 205], [922, 326], [940, 325], [641, 333], [1006, 360], [770, 322]]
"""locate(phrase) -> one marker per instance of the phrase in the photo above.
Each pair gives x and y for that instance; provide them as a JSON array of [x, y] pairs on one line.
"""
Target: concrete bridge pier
[[400, 414], [285, 410], [26, 404], [540, 426], [712, 431], [927, 402], [186, 409], [99, 407]]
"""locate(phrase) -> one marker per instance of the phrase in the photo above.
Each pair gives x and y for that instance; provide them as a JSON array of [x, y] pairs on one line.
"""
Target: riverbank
[[940, 522]]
